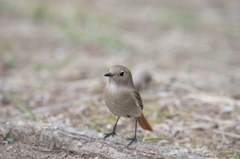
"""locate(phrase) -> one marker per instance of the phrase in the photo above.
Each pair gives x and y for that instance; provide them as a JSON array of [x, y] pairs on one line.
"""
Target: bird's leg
[[134, 139], [113, 131]]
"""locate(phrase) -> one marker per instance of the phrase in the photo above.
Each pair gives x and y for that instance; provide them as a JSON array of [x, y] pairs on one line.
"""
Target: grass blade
[[8, 133], [238, 155], [66, 116], [97, 128], [1, 136], [231, 156], [33, 115], [152, 139]]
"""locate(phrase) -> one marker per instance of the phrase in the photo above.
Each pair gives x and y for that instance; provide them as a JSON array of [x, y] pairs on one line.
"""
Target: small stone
[[9, 147], [228, 109], [79, 144], [237, 128], [108, 126]]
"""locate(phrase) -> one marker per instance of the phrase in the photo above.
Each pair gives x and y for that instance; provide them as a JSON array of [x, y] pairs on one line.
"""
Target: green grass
[[103, 120], [12, 63], [233, 156], [106, 41], [58, 65], [10, 60], [7, 7], [92, 125], [63, 118], [87, 28], [173, 17], [110, 42], [155, 139], [9, 139], [41, 13], [22, 106], [238, 111]]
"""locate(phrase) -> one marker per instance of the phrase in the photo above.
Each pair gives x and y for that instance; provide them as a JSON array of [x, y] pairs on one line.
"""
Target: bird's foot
[[108, 134], [134, 139]]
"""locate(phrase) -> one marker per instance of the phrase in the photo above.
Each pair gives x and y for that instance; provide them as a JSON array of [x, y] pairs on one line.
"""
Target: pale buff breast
[[121, 102]]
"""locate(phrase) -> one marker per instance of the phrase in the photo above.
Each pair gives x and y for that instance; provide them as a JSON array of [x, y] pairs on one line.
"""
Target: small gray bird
[[123, 99]]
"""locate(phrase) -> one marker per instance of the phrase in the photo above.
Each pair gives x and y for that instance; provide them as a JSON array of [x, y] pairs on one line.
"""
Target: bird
[[123, 99]]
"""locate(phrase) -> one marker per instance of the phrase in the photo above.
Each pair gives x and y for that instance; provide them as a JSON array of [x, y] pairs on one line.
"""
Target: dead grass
[[54, 55]]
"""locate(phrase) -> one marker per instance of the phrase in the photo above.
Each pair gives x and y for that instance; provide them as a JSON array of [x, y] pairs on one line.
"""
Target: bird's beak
[[108, 74]]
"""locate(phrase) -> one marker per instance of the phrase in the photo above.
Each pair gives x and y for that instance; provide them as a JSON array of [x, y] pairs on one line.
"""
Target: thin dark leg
[[113, 131], [134, 139]]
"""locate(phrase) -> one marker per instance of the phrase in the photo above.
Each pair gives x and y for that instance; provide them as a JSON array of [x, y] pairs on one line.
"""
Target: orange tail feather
[[144, 123]]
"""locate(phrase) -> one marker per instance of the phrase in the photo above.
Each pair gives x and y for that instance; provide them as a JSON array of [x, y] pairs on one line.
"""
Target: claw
[[108, 134], [134, 139], [113, 131]]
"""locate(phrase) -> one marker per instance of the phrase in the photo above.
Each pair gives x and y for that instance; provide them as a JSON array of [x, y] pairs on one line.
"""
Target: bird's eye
[[122, 74]]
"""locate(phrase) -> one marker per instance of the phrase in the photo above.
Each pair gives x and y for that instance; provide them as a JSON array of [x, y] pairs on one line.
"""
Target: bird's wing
[[137, 98]]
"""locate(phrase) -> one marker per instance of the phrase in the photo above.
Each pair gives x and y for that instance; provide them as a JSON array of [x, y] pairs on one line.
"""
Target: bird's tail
[[144, 123]]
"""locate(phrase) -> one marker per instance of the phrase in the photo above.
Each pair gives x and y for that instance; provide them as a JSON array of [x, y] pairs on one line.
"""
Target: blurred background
[[184, 56]]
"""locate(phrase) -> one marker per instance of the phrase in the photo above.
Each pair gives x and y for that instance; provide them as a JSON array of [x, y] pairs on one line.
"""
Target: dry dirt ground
[[53, 55]]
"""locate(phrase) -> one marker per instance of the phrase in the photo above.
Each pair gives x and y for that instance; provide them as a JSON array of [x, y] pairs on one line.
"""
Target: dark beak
[[108, 74]]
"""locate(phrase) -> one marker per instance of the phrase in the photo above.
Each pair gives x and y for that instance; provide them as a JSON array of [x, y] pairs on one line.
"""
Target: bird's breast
[[112, 89], [120, 101], [115, 95]]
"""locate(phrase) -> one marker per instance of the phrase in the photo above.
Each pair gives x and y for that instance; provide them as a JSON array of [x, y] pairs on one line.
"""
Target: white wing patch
[[137, 103], [138, 99]]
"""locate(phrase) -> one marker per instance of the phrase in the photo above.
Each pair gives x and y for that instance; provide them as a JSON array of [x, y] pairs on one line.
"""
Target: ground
[[55, 53]]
